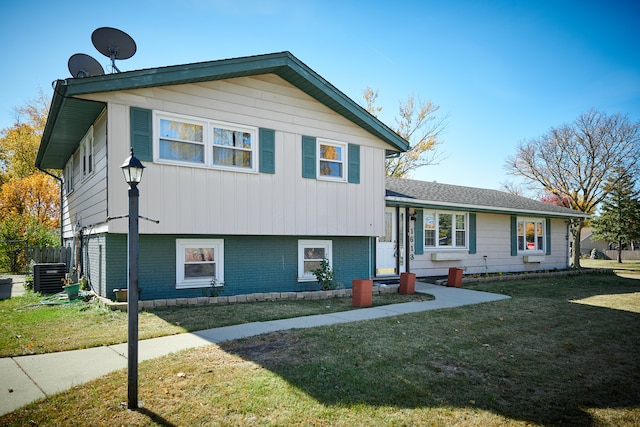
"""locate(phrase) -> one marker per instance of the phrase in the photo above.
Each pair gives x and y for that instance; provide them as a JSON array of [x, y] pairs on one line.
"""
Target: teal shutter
[[419, 233], [547, 228], [354, 164], [141, 133], [514, 236], [267, 150], [308, 157], [472, 233]]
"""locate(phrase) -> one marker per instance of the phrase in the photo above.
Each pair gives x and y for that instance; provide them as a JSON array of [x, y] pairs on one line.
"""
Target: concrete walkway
[[25, 379]]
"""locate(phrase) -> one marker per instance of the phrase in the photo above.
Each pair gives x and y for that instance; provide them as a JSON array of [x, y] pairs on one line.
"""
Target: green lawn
[[29, 327], [543, 357]]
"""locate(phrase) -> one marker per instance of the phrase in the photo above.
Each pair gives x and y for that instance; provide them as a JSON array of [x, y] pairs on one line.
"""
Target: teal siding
[[308, 157], [253, 264], [419, 232], [472, 233], [141, 133], [267, 150], [354, 164]]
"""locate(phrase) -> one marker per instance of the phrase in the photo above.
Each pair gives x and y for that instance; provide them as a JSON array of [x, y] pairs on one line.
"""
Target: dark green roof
[[70, 117], [434, 195]]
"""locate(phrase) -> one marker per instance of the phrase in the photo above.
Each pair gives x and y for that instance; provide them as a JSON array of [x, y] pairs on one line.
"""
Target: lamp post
[[132, 169]]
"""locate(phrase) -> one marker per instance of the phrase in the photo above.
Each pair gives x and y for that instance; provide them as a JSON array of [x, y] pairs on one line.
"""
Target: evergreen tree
[[619, 220]]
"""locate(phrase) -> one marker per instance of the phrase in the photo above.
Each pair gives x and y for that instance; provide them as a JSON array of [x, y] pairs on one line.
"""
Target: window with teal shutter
[[354, 164], [308, 157], [419, 233], [472, 233], [267, 150], [141, 133]]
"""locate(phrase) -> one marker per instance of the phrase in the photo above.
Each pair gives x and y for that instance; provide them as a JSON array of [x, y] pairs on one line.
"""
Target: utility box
[[48, 278]]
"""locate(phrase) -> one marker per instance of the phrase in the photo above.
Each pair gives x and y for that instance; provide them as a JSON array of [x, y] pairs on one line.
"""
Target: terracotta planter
[[407, 283], [362, 293], [455, 277]]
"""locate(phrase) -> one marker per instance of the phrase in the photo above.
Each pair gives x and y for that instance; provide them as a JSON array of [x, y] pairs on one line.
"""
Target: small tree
[[419, 125], [619, 219]]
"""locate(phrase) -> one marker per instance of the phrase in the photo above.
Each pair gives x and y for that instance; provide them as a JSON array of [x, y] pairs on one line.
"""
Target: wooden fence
[[57, 254], [626, 255]]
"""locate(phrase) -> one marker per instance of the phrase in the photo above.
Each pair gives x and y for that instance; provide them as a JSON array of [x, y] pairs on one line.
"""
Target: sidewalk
[[25, 379]]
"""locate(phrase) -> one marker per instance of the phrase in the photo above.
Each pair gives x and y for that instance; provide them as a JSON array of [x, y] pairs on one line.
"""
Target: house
[[256, 169], [431, 227]]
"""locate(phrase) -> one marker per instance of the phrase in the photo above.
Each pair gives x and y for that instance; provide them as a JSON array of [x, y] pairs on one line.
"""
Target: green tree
[[419, 125], [576, 161], [619, 219]]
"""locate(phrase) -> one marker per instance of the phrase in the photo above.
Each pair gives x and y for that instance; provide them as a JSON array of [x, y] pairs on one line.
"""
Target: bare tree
[[420, 126], [575, 161]]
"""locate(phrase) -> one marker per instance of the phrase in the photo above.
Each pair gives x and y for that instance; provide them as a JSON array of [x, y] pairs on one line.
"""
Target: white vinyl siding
[[207, 200]]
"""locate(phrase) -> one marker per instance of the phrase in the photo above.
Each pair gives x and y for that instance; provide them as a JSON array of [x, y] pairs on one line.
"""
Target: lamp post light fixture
[[132, 169]]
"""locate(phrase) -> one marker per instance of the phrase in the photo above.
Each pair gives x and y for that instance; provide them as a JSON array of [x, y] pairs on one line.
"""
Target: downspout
[[57, 178]]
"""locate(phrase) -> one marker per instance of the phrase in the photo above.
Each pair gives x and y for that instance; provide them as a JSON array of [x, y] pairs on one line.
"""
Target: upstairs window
[[86, 153], [445, 229], [332, 157], [68, 176], [182, 141], [206, 143]]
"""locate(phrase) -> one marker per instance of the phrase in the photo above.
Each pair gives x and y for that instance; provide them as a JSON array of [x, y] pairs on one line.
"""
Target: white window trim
[[68, 176], [537, 251], [453, 247], [208, 134], [344, 161], [86, 154], [181, 245], [302, 245]]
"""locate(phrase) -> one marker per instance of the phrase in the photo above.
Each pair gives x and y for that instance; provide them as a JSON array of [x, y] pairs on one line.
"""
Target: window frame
[[204, 282], [208, 135], [538, 234], [86, 154], [437, 227], [344, 161], [68, 176], [327, 245]]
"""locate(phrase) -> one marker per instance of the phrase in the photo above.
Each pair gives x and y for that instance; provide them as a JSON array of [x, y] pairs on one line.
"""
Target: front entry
[[390, 248]]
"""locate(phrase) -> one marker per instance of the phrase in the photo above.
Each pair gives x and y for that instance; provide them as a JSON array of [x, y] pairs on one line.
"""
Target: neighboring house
[[587, 243], [256, 169], [477, 230]]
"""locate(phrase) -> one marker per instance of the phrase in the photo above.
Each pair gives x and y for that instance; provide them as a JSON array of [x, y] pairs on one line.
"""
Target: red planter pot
[[455, 277], [362, 293], [407, 283]]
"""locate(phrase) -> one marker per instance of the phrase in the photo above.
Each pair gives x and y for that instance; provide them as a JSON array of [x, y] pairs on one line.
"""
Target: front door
[[390, 247]]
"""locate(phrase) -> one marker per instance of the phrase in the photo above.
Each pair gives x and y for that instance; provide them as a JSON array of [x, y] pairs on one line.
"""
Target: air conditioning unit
[[47, 278]]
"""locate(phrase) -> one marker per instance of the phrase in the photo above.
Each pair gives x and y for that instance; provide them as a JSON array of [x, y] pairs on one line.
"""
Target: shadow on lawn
[[531, 367]]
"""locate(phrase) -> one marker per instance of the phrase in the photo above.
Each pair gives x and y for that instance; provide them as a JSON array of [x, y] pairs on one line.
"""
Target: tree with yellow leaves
[[420, 126], [29, 198]]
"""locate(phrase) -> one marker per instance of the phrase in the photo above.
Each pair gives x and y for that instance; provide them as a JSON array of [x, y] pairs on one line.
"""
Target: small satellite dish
[[114, 44], [81, 65]]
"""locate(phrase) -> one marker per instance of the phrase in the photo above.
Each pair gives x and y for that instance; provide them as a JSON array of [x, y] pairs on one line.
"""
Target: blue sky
[[501, 71]]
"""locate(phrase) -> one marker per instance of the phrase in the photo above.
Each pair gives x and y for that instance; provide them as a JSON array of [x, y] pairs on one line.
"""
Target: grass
[[28, 327], [539, 358]]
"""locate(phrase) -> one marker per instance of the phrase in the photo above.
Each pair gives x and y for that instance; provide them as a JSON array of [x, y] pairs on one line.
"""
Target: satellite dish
[[81, 65], [114, 44]]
